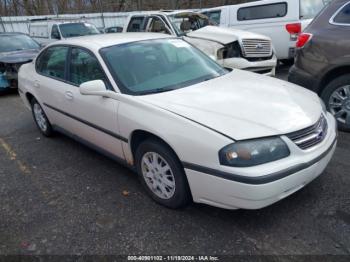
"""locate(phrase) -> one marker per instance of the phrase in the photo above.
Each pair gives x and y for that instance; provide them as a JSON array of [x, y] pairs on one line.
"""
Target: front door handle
[[69, 95]]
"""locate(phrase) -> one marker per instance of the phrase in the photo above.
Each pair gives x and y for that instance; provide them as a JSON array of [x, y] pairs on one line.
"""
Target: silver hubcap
[[339, 104], [40, 117], [158, 175]]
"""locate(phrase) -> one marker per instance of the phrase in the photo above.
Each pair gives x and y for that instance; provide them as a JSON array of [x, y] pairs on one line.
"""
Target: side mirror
[[94, 88]]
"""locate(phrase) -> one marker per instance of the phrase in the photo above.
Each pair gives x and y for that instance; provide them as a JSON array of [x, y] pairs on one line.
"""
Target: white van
[[45, 31], [281, 20]]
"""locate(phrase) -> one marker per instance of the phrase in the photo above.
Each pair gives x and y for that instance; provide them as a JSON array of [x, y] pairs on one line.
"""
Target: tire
[[338, 107], [40, 118], [174, 192]]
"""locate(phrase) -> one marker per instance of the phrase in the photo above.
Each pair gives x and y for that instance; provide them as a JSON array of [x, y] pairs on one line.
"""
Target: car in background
[[322, 61], [16, 49], [190, 128], [49, 30], [113, 29], [229, 47], [281, 20]]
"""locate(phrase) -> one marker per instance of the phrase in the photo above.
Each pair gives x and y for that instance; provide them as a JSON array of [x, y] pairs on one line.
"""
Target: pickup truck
[[229, 47], [47, 31]]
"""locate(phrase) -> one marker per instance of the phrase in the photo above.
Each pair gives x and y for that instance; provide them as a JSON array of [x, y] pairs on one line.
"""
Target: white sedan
[[191, 129]]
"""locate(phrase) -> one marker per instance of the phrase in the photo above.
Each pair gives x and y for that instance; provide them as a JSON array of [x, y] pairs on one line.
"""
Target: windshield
[[310, 8], [185, 22], [10, 43], [154, 66], [78, 29]]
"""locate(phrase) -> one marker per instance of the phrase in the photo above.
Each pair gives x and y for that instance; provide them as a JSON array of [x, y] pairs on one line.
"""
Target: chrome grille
[[310, 136], [256, 48]]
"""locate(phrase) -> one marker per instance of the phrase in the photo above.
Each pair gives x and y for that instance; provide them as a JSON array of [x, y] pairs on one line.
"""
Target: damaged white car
[[191, 129], [16, 49], [229, 47]]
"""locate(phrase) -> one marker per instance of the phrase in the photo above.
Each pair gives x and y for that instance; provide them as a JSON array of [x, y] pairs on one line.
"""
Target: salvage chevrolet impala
[[191, 129]]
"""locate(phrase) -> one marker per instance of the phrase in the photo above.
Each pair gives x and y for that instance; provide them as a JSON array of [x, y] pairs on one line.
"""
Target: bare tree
[[46, 7]]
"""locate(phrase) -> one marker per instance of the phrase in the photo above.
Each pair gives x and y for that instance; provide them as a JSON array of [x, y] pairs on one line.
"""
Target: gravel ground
[[59, 197]]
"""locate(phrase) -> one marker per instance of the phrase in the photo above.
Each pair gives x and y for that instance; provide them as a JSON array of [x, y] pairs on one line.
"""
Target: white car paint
[[196, 122], [210, 39], [274, 27]]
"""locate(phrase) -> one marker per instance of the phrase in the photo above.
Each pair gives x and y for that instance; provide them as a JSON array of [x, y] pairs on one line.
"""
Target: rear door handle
[[69, 95]]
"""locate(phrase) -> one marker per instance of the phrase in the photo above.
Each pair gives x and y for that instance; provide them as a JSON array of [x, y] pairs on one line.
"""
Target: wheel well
[[138, 136], [29, 97], [331, 75]]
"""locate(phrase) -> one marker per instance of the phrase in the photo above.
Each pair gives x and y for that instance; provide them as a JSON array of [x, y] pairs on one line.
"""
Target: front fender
[[188, 139]]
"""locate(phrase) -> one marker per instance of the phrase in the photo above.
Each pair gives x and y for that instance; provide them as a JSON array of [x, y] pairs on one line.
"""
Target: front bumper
[[260, 191], [265, 67]]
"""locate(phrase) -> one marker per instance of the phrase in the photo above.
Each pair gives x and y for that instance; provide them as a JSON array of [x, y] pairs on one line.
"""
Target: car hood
[[22, 56], [243, 105], [224, 35]]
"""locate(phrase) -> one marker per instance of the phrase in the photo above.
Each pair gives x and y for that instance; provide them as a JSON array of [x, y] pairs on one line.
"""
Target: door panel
[[91, 118], [50, 83], [95, 116], [95, 120]]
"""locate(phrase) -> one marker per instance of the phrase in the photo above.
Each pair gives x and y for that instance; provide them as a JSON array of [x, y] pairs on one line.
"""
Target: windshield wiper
[[155, 91]]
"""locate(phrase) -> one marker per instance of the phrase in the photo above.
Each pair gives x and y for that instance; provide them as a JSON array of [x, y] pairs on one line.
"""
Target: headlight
[[324, 108], [229, 51], [253, 152]]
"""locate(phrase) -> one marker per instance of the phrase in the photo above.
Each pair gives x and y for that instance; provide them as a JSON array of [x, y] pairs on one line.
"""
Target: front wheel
[[40, 118], [336, 96], [162, 174]]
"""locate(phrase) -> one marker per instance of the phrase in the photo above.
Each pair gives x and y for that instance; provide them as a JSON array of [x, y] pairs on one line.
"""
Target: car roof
[[166, 12], [11, 33], [177, 12], [96, 42]]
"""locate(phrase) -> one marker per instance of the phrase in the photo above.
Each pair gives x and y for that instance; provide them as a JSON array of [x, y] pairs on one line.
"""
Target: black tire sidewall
[[328, 91], [182, 194], [48, 132]]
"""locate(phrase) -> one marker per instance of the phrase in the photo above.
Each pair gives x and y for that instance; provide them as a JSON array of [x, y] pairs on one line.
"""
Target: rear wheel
[[40, 118], [336, 96], [162, 174]]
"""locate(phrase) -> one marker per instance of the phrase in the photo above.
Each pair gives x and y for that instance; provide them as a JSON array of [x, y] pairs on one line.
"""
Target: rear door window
[[52, 62], [262, 11], [84, 67], [343, 15]]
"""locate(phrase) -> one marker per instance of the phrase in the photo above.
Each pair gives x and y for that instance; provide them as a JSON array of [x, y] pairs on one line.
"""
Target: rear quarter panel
[[26, 76]]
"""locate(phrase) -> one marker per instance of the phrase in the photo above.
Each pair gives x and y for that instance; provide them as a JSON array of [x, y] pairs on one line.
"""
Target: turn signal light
[[303, 39]]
